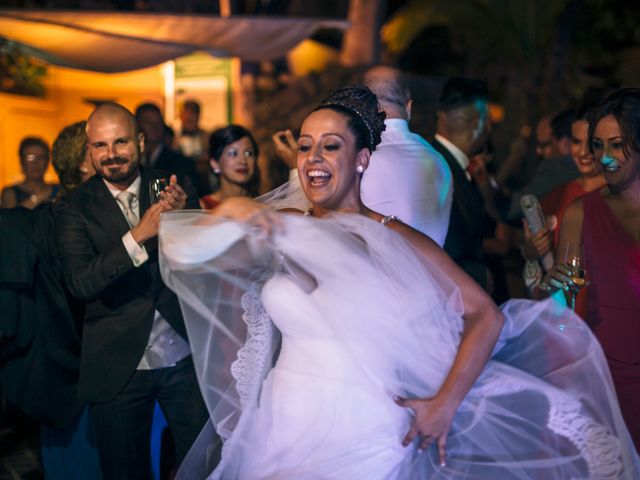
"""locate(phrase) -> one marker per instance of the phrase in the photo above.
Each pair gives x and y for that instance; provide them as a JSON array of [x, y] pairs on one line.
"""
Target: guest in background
[[70, 157], [463, 128], [556, 202], [496, 241], [607, 223], [156, 152], [40, 360], [406, 177], [233, 154], [191, 141], [33, 190], [556, 167]]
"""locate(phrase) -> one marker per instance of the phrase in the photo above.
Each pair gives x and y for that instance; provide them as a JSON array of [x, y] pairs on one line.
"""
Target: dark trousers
[[123, 424]]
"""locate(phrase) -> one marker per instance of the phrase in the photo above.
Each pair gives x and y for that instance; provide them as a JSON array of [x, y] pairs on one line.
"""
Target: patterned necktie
[[126, 199]]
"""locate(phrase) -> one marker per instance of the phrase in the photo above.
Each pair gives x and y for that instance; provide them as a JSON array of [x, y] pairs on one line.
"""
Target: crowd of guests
[[93, 338]]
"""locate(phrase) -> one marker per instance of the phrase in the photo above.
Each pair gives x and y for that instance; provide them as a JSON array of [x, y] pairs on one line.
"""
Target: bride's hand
[[244, 209], [432, 421]]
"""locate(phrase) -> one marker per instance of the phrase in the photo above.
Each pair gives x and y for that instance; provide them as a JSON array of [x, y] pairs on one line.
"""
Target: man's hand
[[286, 147], [173, 197], [149, 223], [432, 422]]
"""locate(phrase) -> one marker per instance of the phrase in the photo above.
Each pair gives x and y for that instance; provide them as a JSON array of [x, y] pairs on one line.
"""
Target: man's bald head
[[392, 89], [114, 144], [112, 110]]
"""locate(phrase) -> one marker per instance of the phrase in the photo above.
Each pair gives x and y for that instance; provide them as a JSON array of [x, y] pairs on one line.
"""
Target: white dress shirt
[[165, 346], [408, 178]]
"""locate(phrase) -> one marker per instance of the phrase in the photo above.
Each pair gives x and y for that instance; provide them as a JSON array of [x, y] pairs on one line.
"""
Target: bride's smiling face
[[327, 159]]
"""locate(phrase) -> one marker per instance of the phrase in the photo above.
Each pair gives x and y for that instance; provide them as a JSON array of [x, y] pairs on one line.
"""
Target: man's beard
[[120, 175]]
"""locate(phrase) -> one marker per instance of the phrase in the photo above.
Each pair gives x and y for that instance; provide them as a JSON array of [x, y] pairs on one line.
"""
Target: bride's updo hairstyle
[[360, 105]]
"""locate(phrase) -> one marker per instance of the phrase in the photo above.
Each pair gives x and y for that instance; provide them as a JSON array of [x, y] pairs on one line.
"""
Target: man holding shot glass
[[134, 346]]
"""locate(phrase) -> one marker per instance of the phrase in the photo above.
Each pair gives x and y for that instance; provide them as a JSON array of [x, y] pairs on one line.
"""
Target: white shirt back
[[408, 178]]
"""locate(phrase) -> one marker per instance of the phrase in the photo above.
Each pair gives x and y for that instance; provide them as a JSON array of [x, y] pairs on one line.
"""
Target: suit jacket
[[121, 299], [40, 354], [464, 238]]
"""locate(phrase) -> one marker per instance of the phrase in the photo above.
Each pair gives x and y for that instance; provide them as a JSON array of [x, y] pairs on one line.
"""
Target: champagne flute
[[573, 259]]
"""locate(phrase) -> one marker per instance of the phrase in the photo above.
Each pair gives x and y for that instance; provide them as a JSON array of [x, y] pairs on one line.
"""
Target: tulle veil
[[543, 408]]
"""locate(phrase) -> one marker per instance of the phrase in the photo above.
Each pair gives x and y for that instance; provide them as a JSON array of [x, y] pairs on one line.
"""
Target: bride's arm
[[202, 240], [482, 324], [265, 220]]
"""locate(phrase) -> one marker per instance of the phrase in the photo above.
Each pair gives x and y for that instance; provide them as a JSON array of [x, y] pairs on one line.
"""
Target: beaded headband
[[357, 114], [357, 101]]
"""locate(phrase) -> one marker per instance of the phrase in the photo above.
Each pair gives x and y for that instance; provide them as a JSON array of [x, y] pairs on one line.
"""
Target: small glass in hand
[[156, 187]]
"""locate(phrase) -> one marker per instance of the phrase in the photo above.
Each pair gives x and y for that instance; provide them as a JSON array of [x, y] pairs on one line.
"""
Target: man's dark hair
[[561, 124], [147, 107], [458, 91], [191, 105]]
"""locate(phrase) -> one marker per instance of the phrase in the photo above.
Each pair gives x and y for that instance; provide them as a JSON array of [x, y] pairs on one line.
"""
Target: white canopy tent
[[121, 41]]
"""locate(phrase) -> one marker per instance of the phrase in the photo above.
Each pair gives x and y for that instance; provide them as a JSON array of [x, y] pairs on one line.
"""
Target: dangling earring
[[360, 169]]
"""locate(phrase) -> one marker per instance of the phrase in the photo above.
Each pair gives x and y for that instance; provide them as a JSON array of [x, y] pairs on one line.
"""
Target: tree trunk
[[361, 43]]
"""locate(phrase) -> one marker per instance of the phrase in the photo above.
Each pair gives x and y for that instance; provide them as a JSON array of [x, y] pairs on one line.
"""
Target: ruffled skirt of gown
[[378, 321]]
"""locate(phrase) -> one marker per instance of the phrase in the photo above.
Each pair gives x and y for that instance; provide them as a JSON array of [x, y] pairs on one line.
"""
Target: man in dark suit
[[159, 155], [463, 128], [134, 347]]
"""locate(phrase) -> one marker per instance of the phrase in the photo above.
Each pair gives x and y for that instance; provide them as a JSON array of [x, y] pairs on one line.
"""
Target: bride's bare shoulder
[[416, 238], [293, 211]]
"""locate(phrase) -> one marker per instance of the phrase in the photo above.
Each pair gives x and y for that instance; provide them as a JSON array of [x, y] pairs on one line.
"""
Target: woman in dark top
[[32, 191]]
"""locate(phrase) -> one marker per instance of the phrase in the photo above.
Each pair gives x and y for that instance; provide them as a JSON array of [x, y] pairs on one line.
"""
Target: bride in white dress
[[341, 344]]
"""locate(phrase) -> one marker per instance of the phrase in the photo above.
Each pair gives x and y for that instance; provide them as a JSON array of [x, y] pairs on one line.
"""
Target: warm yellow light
[[310, 56], [496, 113]]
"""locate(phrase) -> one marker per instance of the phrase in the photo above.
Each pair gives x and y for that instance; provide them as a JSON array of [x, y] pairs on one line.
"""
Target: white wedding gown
[[362, 319]]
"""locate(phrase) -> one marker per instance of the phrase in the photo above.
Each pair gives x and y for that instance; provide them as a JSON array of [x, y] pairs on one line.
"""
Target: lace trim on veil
[[253, 361], [600, 449]]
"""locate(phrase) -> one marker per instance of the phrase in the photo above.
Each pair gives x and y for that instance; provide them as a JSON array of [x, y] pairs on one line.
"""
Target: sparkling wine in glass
[[573, 259]]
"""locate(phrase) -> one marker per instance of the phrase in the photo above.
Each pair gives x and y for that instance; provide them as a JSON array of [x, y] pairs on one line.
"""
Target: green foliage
[[20, 74]]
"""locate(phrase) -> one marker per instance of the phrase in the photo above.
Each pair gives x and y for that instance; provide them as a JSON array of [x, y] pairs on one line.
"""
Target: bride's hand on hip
[[432, 422], [256, 214]]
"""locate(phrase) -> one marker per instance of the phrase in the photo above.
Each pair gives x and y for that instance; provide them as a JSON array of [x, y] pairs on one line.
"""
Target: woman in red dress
[[607, 223], [233, 154], [556, 202]]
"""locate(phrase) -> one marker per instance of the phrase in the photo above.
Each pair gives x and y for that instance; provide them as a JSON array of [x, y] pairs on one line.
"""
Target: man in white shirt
[[406, 177]]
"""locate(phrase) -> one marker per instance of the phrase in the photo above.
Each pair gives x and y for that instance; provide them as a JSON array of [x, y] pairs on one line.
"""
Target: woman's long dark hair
[[624, 106]]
